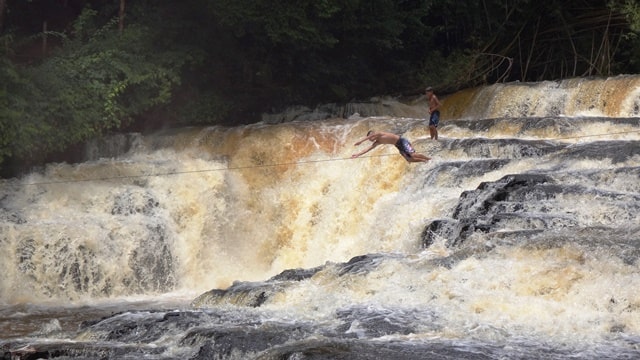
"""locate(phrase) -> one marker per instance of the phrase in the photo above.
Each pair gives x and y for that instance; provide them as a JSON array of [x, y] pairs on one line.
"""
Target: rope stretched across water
[[198, 171], [123, 177]]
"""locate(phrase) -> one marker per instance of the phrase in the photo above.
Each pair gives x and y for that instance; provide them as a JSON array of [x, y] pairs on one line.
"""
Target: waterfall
[[522, 230]]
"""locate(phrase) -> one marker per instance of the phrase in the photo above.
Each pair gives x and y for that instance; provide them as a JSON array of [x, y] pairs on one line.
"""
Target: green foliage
[[208, 108], [535, 40], [329, 50], [269, 54], [98, 81], [278, 22], [9, 79], [12, 105], [631, 9], [203, 61]]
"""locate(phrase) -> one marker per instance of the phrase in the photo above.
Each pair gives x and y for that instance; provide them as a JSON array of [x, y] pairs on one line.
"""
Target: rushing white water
[[189, 210]]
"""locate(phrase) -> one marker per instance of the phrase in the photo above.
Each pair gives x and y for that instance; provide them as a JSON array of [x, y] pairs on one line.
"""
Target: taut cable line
[[123, 177], [262, 165]]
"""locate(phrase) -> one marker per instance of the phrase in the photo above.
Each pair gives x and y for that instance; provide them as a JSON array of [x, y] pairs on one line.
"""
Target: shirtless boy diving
[[403, 145]]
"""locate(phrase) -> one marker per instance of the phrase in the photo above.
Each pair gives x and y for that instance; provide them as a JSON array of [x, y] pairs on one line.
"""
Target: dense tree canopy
[[71, 70]]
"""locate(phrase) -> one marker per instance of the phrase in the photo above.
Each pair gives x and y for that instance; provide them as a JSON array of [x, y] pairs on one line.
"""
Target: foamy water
[[458, 252]]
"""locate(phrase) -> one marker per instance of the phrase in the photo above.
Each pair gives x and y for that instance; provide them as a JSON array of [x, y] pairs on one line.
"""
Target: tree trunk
[[121, 16], [3, 5], [44, 38]]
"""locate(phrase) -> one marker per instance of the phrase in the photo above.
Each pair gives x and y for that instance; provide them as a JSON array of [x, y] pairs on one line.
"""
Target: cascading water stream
[[267, 241]]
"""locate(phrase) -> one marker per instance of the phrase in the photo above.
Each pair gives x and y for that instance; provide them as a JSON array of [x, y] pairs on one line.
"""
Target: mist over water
[[519, 236]]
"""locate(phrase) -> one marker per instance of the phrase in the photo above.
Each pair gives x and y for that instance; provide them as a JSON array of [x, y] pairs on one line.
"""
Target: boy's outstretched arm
[[365, 150], [368, 137]]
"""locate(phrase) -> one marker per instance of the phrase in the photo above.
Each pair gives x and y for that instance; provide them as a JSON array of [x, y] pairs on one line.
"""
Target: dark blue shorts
[[405, 148], [435, 118]]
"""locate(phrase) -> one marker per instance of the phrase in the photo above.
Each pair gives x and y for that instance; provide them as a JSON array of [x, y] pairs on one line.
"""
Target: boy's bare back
[[385, 138]]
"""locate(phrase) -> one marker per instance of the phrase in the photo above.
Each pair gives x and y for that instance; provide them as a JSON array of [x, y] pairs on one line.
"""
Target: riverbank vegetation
[[73, 70]]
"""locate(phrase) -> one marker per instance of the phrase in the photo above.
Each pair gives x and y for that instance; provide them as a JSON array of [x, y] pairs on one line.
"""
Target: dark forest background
[[74, 70]]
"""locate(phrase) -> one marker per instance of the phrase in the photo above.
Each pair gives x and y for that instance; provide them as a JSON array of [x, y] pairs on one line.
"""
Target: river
[[518, 240]]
